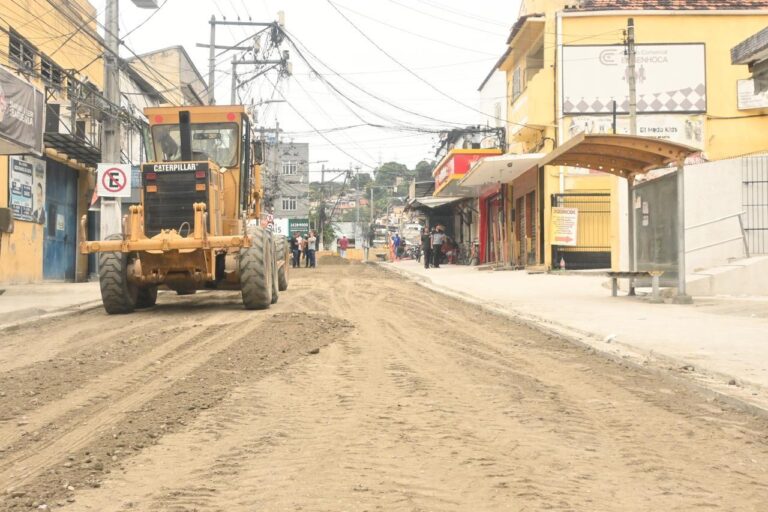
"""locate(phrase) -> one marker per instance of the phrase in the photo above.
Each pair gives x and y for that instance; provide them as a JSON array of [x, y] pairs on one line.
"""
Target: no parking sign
[[114, 180]]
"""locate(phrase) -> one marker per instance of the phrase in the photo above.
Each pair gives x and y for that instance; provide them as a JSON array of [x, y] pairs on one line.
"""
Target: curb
[[80, 307], [702, 382]]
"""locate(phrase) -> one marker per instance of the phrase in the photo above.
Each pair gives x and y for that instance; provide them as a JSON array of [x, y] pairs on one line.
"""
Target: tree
[[424, 170], [388, 173]]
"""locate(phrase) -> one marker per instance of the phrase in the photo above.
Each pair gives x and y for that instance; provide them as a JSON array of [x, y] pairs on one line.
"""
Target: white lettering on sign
[[114, 180], [174, 167]]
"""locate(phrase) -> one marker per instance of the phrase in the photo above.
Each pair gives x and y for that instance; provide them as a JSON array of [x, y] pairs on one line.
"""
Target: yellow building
[[565, 67], [52, 48]]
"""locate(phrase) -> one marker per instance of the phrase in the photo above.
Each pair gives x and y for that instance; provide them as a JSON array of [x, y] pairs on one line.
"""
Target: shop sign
[[21, 116], [564, 224], [26, 187], [281, 227], [680, 128], [300, 225], [670, 78], [748, 98]]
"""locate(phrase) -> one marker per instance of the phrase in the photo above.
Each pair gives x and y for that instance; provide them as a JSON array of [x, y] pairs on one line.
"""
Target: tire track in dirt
[[431, 404], [107, 399]]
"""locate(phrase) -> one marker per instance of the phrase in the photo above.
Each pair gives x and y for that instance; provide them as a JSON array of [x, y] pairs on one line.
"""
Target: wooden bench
[[653, 274]]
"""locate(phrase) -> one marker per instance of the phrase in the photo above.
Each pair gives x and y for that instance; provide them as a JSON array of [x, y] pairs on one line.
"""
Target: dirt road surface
[[414, 402]]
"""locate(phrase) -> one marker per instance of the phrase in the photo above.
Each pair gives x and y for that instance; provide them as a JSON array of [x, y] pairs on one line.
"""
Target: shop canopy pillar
[[626, 156]]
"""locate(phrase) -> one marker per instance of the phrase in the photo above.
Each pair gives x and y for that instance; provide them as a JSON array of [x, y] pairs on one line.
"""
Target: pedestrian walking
[[426, 247], [437, 244], [366, 247], [343, 246], [396, 246], [311, 245]]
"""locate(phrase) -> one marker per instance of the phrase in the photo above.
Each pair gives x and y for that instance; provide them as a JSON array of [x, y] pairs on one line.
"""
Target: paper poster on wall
[[748, 98], [669, 78], [20, 188], [26, 188], [563, 225]]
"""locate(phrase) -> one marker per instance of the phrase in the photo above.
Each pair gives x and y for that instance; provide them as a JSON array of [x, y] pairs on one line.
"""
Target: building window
[[290, 168], [289, 203], [517, 83], [21, 52], [52, 74]]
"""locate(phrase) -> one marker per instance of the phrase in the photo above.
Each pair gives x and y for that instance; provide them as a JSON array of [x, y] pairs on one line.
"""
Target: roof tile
[[669, 5]]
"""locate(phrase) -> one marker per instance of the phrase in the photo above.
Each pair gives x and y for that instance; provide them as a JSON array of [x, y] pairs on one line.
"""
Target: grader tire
[[256, 271], [273, 266], [282, 271], [118, 294], [147, 297]]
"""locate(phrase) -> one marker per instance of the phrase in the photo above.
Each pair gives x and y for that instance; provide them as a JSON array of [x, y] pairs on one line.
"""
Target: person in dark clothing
[[294, 241], [426, 247]]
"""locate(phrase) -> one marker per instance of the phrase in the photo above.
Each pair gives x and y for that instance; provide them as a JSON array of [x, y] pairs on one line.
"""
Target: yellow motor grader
[[198, 225]]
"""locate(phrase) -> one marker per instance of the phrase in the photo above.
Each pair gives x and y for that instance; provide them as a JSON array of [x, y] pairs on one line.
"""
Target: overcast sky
[[447, 46]]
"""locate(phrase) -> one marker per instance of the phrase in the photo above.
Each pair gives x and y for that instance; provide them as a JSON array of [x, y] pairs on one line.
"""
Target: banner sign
[[298, 225], [680, 128], [748, 98], [21, 116], [669, 78], [26, 188], [114, 180], [564, 223]]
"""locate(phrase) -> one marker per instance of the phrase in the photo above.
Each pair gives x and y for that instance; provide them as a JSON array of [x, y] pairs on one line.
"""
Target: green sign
[[300, 225]]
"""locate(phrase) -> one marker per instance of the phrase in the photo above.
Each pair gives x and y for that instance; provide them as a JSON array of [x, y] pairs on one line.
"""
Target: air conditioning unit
[[6, 220]]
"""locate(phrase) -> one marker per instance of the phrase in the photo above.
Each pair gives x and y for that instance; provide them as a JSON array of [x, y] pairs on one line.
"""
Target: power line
[[415, 34], [382, 50], [433, 17], [379, 98], [152, 14], [298, 113]]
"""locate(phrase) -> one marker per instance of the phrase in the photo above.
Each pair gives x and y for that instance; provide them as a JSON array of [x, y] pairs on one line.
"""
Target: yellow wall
[[21, 252], [43, 26], [724, 137]]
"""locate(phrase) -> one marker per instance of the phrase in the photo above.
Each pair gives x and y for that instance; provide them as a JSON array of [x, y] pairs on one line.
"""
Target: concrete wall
[[712, 191]]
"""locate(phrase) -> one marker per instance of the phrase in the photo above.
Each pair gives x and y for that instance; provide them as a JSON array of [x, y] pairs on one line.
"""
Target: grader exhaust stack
[[198, 224]]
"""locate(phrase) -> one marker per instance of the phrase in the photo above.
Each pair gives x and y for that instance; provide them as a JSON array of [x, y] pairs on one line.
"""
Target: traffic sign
[[114, 180]]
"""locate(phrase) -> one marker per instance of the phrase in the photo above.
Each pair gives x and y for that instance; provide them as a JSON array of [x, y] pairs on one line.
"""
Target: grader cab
[[198, 224]]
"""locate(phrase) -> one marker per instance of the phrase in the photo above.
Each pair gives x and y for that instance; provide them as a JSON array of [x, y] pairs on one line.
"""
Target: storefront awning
[[620, 155], [499, 169], [74, 147], [431, 202]]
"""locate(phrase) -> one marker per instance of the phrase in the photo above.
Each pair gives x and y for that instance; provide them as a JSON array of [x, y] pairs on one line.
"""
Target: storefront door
[[60, 245]]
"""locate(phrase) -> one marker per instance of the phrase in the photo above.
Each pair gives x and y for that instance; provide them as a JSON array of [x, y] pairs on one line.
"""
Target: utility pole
[[357, 203], [277, 37], [212, 63], [631, 78], [632, 131], [111, 207]]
